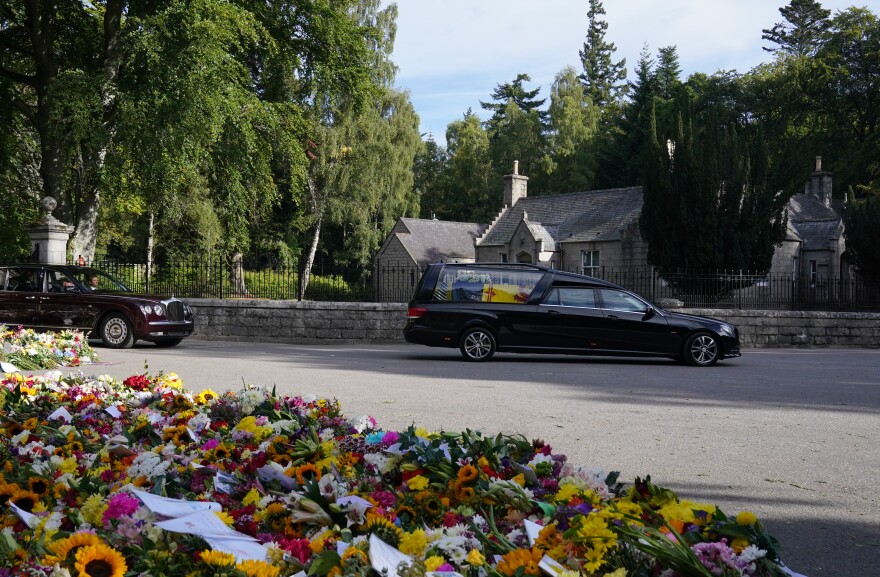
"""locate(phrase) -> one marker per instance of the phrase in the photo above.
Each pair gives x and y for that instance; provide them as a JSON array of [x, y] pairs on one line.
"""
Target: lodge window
[[814, 273], [502, 257], [590, 262]]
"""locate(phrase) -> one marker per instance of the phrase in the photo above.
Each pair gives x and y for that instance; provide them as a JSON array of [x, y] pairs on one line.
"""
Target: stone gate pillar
[[49, 235]]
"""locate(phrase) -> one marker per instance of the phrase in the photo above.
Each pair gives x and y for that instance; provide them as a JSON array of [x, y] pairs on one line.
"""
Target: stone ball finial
[[48, 204]]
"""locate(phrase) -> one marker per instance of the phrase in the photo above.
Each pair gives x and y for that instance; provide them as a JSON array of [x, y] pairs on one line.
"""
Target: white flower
[[752, 553], [199, 422], [149, 465]]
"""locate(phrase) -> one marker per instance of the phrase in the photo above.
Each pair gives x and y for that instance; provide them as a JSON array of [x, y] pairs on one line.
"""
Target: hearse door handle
[[615, 317], [31, 298]]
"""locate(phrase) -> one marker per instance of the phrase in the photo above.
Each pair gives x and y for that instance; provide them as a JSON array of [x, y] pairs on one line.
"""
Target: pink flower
[[390, 437], [120, 505]]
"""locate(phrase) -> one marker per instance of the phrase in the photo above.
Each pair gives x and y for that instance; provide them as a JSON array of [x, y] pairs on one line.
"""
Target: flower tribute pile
[[142, 477], [28, 350]]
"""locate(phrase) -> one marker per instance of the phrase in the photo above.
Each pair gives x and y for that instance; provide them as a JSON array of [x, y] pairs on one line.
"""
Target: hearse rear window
[[485, 285]]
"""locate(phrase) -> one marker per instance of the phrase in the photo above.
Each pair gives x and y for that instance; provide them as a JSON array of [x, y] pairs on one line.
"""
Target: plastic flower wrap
[[145, 477]]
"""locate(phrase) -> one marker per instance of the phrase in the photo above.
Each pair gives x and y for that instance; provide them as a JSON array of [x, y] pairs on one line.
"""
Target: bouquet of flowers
[[32, 351], [143, 477]]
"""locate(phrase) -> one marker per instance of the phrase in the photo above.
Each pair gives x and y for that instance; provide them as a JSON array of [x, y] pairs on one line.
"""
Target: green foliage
[[475, 196], [862, 233], [603, 78], [573, 122], [707, 206]]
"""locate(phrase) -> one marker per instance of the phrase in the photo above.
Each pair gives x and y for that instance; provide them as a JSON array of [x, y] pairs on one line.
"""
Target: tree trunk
[[86, 233], [151, 243], [316, 236], [236, 276]]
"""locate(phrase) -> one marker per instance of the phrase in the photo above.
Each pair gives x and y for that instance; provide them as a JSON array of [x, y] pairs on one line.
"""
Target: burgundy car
[[58, 297]]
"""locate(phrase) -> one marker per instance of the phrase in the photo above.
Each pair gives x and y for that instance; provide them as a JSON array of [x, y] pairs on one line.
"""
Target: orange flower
[[521, 558]]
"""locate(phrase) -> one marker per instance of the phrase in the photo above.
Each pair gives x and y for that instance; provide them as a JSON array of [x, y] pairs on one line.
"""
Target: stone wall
[[335, 322]]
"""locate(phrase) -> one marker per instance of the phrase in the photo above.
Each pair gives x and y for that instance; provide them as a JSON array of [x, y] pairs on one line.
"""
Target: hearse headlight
[[727, 330]]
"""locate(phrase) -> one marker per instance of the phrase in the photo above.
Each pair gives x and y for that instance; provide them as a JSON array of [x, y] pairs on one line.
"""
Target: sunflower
[[221, 452], [59, 550], [217, 558], [253, 568], [467, 473], [384, 528], [100, 561], [25, 500], [206, 396], [39, 486], [6, 491], [303, 470]]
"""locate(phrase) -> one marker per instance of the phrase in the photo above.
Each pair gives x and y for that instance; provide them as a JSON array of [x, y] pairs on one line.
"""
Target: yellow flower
[[616, 573], [418, 483], [475, 558], [433, 562], [100, 561], [520, 480], [225, 517], [217, 558], [746, 518], [525, 559], [414, 544], [206, 396], [422, 432], [59, 550], [253, 568], [739, 544], [252, 498]]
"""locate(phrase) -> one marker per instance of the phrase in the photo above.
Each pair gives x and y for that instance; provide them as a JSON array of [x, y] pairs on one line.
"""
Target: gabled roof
[[595, 215], [437, 240], [815, 223]]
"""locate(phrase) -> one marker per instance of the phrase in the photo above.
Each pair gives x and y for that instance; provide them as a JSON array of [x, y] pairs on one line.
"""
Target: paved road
[[793, 435]]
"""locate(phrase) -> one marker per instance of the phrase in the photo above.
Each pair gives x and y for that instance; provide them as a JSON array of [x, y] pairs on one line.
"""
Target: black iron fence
[[749, 291], [261, 277]]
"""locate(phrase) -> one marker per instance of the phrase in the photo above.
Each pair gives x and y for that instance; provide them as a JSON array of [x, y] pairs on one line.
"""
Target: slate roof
[[595, 215], [437, 240], [815, 223]]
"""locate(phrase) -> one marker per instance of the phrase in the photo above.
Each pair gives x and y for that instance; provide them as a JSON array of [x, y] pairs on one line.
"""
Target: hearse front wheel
[[701, 350], [477, 344]]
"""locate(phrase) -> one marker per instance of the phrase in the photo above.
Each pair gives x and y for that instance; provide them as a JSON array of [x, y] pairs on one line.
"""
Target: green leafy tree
[[862, 233], [605, 85], [474, 196], [63, 58], [517, 130], [430, 179], [707, 206], [802, 32], [573, 122], [603, 78]]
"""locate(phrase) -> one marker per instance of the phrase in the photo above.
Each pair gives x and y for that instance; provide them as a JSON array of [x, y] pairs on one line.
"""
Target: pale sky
[[453, 53]]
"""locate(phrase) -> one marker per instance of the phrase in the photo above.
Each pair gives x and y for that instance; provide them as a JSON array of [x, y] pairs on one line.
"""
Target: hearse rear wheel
[[477, 344]]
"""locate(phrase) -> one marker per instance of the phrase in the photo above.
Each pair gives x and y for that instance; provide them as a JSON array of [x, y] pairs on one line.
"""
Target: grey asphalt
[[791, 435]]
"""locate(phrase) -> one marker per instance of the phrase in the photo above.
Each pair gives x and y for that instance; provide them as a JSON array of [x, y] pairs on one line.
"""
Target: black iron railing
[[261, 277]]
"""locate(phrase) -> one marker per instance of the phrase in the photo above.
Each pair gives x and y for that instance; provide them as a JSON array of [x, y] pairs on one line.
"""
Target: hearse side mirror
[[649, 313]]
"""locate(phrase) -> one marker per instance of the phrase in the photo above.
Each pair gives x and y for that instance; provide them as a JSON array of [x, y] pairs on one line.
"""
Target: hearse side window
[[581, 297], [475, 284], [621, 301]]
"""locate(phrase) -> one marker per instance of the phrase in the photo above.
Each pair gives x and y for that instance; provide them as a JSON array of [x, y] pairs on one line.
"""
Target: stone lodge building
[[598, 230]]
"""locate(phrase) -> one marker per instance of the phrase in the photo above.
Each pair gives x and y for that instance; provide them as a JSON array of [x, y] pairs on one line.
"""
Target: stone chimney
[[819, 184], [515, 186]]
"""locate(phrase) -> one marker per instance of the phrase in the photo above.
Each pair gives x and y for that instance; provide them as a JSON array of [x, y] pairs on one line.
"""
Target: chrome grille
[[175, 311]]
